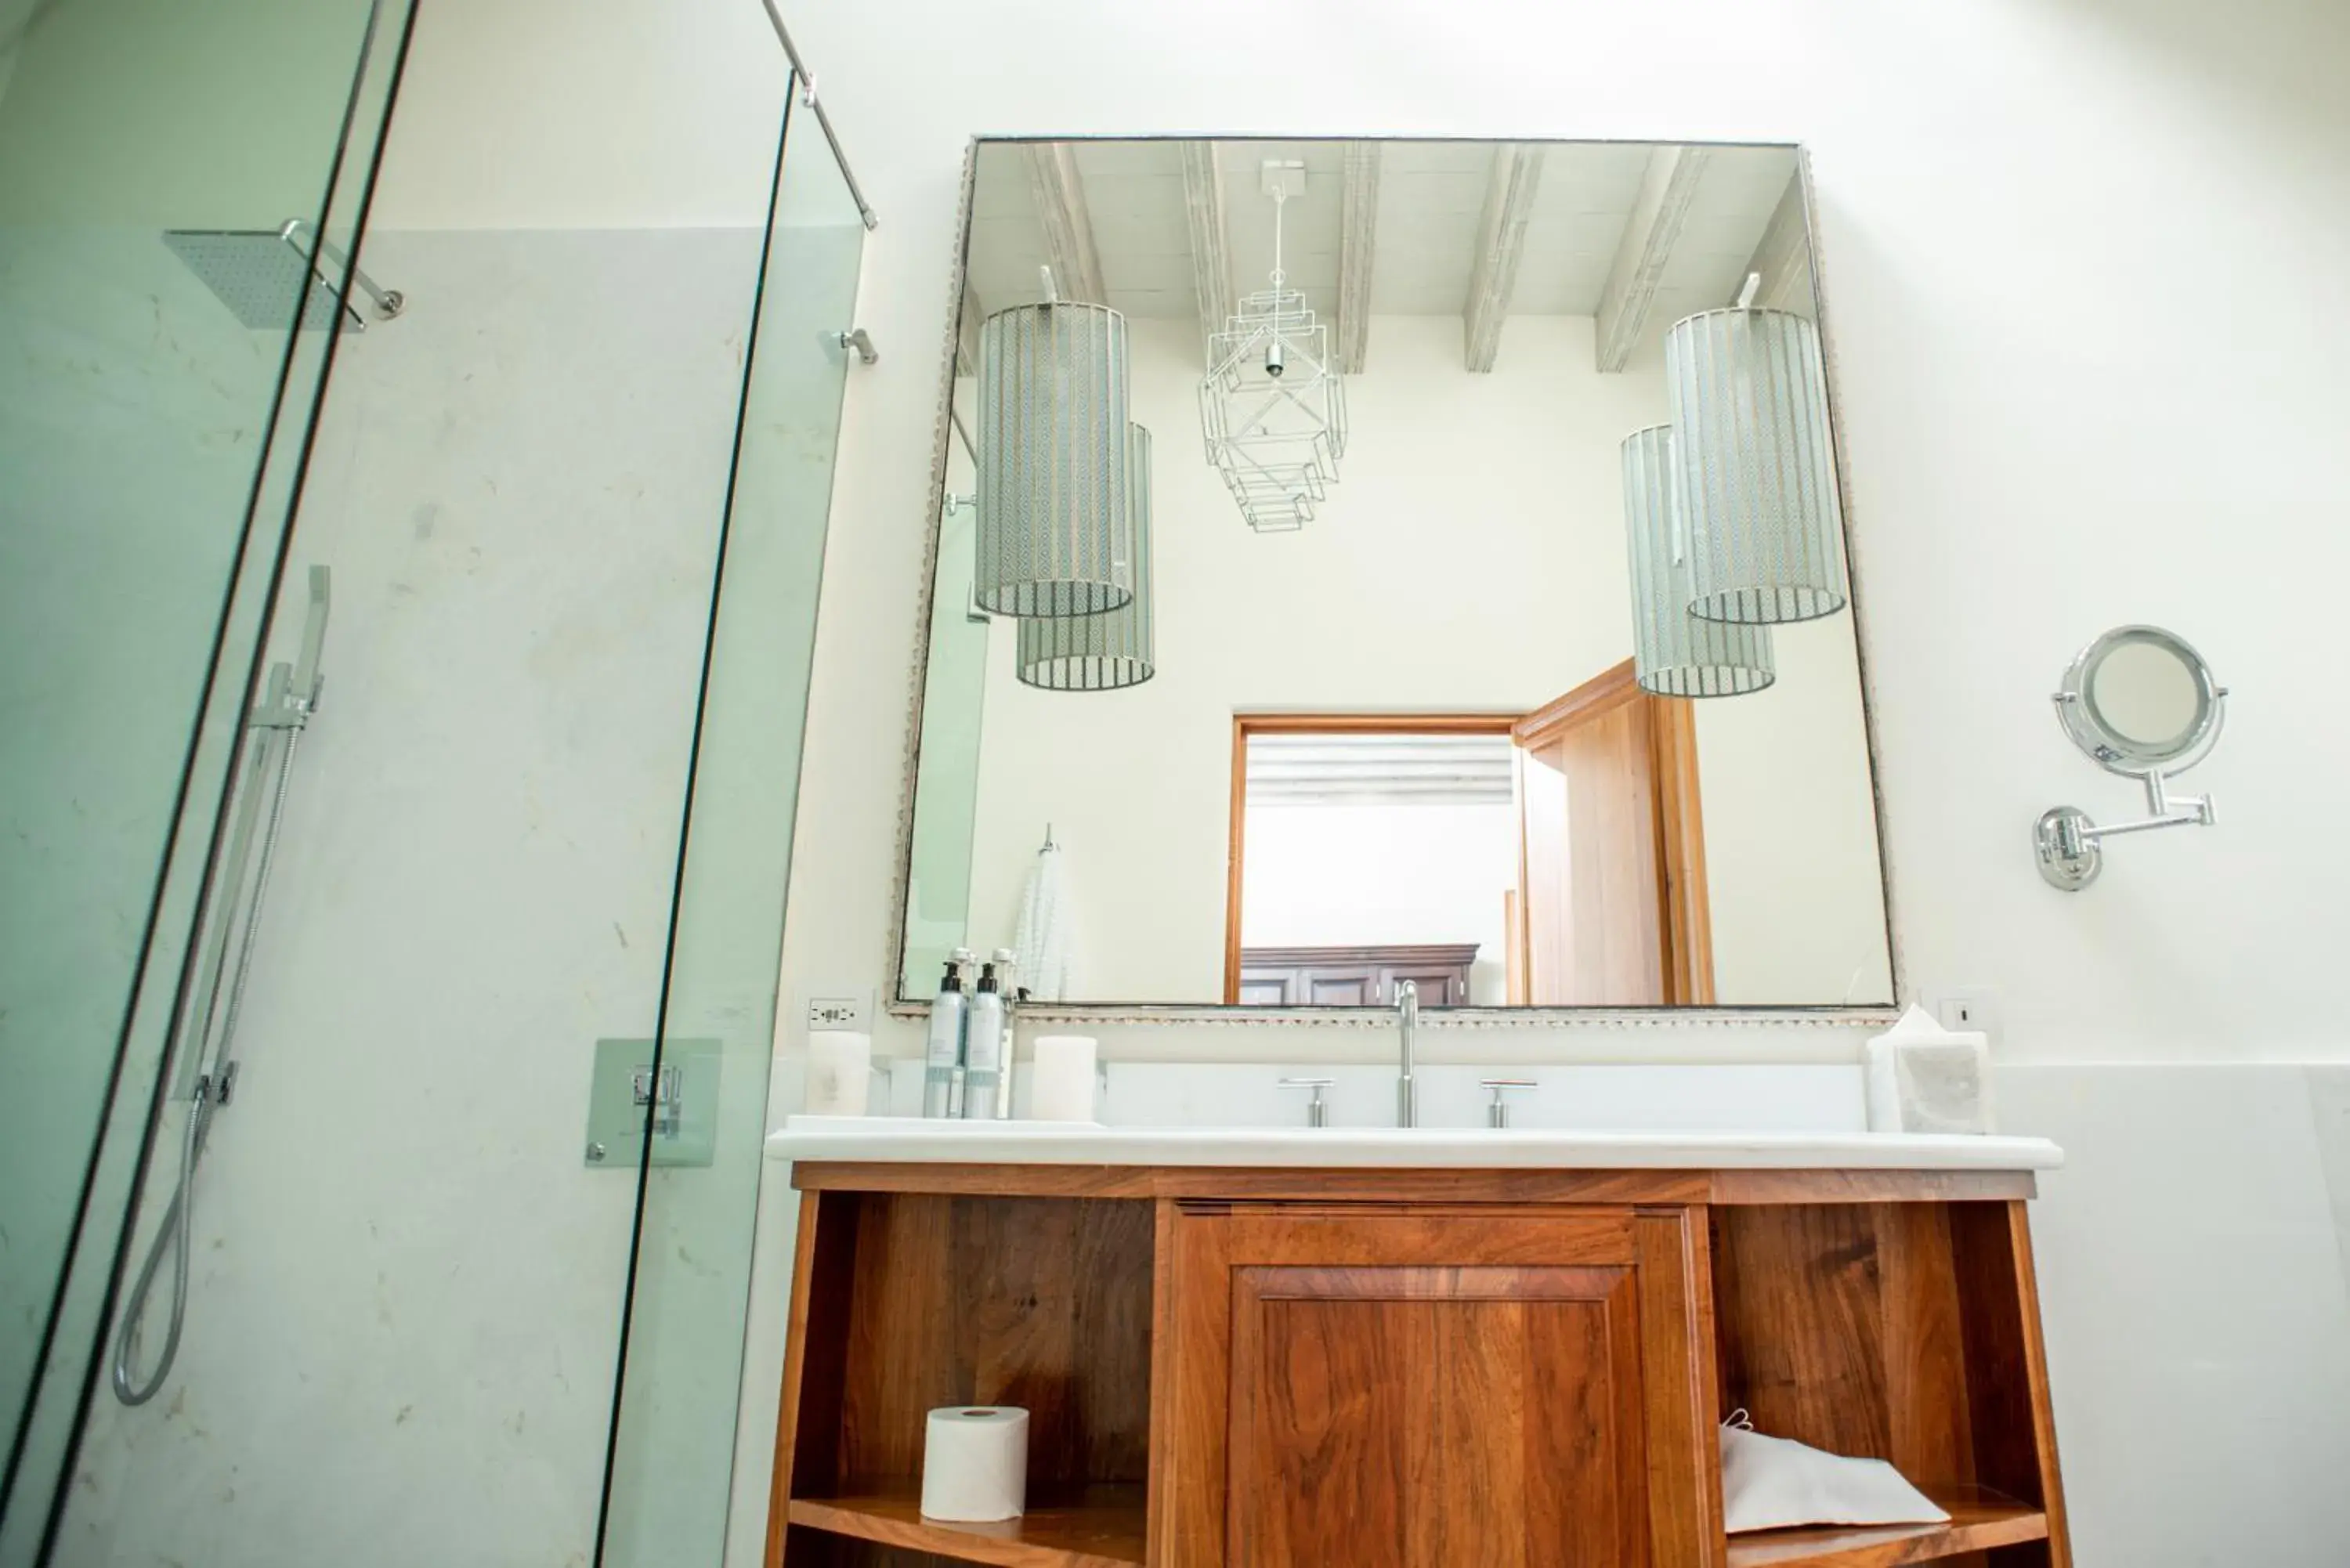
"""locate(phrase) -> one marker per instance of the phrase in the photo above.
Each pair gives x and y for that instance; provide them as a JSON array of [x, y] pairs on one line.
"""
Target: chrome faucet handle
[[1497, 1115], [1318, 1109]]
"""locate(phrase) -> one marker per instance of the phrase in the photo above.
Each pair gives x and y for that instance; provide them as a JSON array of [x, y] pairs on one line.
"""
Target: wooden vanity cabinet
[[1231, 1368], [1465, 1384]]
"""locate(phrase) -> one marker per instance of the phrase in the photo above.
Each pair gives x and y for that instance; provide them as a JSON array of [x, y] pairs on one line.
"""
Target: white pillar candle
[[839, 1070], [1061, 1081]]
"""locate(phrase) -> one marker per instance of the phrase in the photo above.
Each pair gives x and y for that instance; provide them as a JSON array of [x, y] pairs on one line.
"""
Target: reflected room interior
[[1414, 702]]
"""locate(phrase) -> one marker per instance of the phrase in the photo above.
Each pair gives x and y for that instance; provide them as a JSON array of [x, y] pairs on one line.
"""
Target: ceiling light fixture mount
[[1272, 409]]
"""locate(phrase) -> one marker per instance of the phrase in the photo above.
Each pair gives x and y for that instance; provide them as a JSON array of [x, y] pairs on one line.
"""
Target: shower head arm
[[389, 302]]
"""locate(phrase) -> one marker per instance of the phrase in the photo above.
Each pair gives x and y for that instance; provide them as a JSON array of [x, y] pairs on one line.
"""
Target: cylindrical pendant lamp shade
[[1750, 410], [1675, 653], [1109, 652], [1054, 531]]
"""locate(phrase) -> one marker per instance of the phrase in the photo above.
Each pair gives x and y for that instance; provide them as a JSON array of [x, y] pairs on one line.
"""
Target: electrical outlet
[[1974, 1009], [836, 1007]]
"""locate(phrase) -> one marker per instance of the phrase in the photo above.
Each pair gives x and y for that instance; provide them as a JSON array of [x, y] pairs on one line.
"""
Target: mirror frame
[[1244, 1016], [2076, 706]]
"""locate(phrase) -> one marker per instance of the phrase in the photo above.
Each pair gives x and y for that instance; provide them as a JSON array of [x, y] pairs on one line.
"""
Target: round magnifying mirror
[[2143, 693], [2140, 701]]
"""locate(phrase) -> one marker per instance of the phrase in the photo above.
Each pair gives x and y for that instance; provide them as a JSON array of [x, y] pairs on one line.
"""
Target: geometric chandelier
[[1272, 408]]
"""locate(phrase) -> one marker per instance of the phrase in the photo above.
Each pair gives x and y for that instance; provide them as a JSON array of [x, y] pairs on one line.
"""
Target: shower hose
[[175, 1235]]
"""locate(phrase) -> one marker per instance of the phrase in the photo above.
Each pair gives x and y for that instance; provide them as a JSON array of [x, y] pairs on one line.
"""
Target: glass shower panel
[[669, 1484], [154, 405]]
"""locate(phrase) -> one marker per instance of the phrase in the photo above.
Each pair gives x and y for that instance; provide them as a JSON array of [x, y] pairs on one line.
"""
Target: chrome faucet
[[1407, 1022]]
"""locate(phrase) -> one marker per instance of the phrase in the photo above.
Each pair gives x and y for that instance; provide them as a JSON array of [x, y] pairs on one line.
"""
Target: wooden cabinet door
[[1354, 976], [1440, 985], [1268, 987], [1429, 1390], [1358, 986], [1436, 1417]]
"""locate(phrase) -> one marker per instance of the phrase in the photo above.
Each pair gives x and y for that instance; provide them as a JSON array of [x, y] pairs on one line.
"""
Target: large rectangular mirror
[[1474, 610]]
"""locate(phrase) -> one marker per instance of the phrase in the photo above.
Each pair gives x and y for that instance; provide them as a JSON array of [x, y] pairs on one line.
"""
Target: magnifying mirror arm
[[2067, 839], [2199, 816], [2183, 811]]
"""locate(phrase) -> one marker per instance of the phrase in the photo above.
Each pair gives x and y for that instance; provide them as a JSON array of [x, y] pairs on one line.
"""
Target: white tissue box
[[1924, 1078]]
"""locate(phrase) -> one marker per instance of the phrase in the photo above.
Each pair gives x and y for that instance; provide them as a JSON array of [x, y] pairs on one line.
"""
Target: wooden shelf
[[1980, 1519], [1104, 1529]]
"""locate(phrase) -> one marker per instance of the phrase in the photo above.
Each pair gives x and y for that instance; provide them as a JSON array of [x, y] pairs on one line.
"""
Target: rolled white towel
[[1043, 941]]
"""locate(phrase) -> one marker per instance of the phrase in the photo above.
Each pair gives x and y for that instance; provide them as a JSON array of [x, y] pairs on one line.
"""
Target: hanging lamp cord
[[1280, 201]]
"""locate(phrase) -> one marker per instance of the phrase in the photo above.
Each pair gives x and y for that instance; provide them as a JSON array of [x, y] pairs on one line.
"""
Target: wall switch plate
[[1972, 1009], [836, 1007]]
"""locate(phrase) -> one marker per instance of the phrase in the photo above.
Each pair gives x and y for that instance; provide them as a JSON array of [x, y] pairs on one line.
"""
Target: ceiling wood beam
[[1068, 226], [1358, 222], [1784, 256], [1211, 246], [1667, 189], [1501, 241]]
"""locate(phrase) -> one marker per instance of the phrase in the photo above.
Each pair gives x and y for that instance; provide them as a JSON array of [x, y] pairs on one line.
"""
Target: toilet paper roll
[[840, 1069], [1061, 1083], [975, 1463]]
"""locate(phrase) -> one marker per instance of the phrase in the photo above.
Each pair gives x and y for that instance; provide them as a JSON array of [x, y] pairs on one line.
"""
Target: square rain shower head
[[259, 275]]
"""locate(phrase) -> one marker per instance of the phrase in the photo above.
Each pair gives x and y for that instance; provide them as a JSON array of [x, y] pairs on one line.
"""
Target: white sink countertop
[[917, 1140]]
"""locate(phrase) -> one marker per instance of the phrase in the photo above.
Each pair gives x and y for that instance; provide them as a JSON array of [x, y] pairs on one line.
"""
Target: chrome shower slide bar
[[202, 1042]]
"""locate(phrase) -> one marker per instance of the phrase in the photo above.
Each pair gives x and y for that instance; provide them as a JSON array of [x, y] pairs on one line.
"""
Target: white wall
[[2191, 1272], [1791, 871], [2040, 448], [588, 114], [1471, 558], [2000, 523]]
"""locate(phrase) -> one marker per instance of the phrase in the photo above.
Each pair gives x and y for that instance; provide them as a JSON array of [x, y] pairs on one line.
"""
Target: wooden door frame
[[1247, 724], [1687, 934]]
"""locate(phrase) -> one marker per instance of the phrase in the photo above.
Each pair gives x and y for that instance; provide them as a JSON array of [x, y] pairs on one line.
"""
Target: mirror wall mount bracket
[[2068, 843]]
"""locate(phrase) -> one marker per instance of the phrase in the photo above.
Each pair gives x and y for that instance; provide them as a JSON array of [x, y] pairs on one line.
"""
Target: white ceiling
[[1431, 200]]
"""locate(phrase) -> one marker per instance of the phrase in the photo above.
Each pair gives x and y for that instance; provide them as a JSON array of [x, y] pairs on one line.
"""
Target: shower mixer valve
[[667, 1098]]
